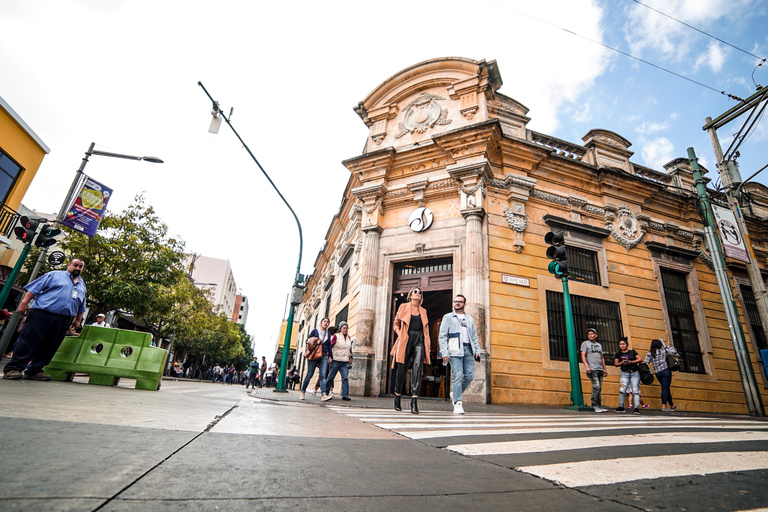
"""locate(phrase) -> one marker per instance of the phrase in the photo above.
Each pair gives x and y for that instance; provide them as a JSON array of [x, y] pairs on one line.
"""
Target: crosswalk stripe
[[612, 471], [436, 426], [581, 443], [432, 434]]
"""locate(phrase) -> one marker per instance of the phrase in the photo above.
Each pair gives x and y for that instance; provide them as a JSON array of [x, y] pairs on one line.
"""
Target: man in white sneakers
[[459, 346]]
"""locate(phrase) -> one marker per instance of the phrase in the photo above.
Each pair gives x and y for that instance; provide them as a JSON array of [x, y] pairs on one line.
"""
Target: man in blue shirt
[[58, 297]]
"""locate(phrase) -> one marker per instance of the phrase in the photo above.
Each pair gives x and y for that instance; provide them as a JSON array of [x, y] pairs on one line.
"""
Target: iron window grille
[[582, 265], [342, 316], [602, 315], [344, 285], [424, 267], [685, 337], [753, 316]]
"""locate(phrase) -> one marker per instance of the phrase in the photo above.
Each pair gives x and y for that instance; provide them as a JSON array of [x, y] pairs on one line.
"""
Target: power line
[[731, 96], [762, 59]]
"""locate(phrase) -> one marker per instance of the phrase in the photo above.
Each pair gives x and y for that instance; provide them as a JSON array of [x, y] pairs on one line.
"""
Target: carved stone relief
[[626, 229], [422, 114], [518, 221]]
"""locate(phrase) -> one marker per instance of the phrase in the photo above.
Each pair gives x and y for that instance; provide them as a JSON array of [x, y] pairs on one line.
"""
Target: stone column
[[363, 367]]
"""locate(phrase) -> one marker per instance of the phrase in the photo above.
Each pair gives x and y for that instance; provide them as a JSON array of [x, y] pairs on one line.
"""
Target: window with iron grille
[[582, 265], [423, 267], [342, 316], [753, 317], [344, 285], [682, 322], [602, 315]]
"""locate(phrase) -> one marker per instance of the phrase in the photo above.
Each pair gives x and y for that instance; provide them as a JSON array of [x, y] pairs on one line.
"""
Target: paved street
[[203, 446]]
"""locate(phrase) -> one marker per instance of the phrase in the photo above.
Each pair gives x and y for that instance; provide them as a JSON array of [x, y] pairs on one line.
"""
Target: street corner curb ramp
[[107, 355]]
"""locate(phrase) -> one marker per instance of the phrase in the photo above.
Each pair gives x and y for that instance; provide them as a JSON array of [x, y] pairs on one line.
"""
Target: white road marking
[[581, 443], [612, 471], [430, 434]]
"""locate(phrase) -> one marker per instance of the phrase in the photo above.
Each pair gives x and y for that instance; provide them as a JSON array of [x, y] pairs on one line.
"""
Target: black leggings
[[415, 349]]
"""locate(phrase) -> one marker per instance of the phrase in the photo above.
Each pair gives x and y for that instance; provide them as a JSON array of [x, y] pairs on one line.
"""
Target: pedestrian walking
[[412, 344], [658, 355], [594, 362], [253, 373], [100, 321], [320, 364], [58, 296], [459, 346], [629, 382], [262, 370], [340, 359]]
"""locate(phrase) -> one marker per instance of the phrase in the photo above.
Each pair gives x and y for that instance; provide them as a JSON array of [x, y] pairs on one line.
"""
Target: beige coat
[[402, 320]]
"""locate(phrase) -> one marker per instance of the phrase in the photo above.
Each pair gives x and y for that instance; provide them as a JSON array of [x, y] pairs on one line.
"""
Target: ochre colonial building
[[454, 194]]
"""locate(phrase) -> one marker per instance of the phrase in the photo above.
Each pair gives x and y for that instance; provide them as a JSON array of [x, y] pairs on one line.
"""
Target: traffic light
[[46, 236], [25, 231], [557, 253]]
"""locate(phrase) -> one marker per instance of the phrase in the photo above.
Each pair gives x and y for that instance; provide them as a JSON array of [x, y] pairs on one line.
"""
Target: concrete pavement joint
[[212, 424]]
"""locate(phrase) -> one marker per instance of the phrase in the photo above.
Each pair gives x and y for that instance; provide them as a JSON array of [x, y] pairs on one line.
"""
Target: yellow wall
[[17, 143]]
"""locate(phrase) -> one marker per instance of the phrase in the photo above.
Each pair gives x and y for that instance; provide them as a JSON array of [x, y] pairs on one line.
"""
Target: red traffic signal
[[25, 231]]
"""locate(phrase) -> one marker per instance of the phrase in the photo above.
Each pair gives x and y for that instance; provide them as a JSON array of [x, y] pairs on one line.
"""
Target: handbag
[[672, 362], [314, 350], [646, 377]]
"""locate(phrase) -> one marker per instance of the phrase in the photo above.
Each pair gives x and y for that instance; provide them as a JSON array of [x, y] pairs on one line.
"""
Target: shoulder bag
[[672, 362], [646, 377], [314, 350]]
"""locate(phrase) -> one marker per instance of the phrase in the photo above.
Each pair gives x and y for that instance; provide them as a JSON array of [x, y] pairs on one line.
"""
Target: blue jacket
[[451, 328]]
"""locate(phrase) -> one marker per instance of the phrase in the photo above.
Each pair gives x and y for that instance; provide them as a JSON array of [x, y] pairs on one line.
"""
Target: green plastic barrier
[[107, 355]]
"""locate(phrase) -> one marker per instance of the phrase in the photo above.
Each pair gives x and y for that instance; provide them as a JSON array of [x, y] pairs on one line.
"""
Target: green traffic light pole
[[295, 295], [577, 396]]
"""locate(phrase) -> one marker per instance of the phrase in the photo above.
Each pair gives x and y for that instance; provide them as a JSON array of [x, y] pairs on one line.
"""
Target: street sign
[[56, 258], [733, 242]]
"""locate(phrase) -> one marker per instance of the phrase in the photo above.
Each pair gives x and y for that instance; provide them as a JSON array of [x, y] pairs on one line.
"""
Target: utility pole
[[731, 180], [747, 374]]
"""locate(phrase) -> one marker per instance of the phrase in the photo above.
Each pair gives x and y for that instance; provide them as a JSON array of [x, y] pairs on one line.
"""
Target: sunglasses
[[416, 291]]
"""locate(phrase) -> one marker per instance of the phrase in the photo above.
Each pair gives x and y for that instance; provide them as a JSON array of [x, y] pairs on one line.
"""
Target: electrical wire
[[731, 96], [761, 59], [739, 139]]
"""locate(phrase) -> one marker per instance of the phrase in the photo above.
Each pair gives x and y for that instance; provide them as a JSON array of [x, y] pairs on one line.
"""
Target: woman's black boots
[[414, 405], [397, 403]]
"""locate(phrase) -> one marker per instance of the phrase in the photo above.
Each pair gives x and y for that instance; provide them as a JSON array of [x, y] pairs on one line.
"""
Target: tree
[[131, 262]]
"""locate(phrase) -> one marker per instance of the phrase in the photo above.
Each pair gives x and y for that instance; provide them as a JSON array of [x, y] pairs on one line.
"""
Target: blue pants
[[38, 341], [336, 367], [322, 365], [462, 373], [665, 379]]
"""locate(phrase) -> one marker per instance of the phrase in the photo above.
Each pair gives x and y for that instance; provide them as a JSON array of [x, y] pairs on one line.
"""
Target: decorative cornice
[[672, 250], [559, 222], [550, 198]]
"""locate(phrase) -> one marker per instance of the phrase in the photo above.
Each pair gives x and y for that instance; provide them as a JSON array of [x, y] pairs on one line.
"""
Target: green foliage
[[130, 262], [133, 266]]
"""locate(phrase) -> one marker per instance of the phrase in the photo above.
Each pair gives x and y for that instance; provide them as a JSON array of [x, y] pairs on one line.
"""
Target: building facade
[[454, 193], [240, 311], [216, 275], [21, 153]]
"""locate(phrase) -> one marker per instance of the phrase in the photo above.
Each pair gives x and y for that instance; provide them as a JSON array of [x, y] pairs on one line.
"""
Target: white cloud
[[713, 58], [651, 128], [647, 31], [657, 152]]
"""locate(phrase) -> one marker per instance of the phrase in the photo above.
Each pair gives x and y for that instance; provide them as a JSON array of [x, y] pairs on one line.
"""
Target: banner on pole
[[730, 235], [88, 208]]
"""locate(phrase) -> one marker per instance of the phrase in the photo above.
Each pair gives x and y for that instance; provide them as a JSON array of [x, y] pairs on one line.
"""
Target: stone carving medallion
[[626, 231], [422, 114]]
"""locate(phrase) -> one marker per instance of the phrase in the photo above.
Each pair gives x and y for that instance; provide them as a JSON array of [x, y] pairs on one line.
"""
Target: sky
[[124, 74]]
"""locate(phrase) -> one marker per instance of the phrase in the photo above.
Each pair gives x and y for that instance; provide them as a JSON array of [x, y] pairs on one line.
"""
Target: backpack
[[646, 377]]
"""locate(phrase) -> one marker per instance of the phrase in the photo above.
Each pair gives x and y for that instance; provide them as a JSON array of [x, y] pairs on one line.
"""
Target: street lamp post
[[14, 320], [296, 289]]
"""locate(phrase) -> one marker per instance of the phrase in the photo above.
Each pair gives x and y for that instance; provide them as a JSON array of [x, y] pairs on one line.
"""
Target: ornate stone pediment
[[422, 114]]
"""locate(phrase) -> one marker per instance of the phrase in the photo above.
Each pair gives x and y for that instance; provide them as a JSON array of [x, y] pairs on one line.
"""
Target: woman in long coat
[[412, 342]]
